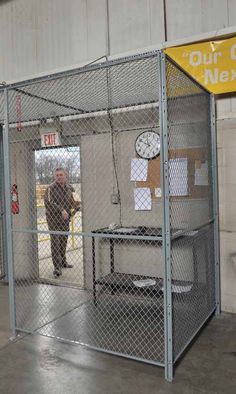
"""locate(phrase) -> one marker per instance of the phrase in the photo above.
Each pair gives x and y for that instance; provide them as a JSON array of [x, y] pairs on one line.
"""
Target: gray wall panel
[[135, 24]]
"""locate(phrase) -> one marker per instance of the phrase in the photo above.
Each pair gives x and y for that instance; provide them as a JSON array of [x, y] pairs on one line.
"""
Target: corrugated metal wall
[[38, 36]]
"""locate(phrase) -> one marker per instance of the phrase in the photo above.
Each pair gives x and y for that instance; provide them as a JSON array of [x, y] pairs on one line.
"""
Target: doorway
[[46, 161]]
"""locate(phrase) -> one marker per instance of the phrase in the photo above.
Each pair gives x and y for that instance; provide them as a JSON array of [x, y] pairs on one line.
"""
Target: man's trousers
[[58, 249], [58, 242]]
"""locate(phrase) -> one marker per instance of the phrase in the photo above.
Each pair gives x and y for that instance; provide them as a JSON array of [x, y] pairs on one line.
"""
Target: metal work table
[[123, 282]]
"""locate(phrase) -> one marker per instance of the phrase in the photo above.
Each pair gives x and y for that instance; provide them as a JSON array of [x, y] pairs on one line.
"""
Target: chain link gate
[[113, 241]]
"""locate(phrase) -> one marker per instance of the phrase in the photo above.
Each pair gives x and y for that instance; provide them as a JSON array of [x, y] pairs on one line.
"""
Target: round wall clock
[[148, 145]]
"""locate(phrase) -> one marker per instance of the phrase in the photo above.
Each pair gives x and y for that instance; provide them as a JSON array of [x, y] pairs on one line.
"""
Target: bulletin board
[[196, 157]]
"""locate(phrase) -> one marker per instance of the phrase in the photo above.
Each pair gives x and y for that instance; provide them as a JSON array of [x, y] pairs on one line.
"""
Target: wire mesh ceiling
[[112, 86]]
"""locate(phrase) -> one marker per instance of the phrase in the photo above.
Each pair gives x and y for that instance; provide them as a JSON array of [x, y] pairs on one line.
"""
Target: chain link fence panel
[[88, 252], [191, 205]]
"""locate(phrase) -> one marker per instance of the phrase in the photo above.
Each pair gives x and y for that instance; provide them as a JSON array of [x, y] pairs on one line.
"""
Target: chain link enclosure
[[139, 226]]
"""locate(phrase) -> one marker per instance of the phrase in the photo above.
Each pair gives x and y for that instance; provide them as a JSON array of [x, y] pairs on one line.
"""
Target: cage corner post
[[4, 268], [166, 240], [215, 204], [8, 224]]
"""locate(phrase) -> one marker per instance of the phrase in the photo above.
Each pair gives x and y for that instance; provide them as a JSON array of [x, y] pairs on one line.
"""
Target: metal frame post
[[215, 204], [8, 225], [166, 244], [2, 197]]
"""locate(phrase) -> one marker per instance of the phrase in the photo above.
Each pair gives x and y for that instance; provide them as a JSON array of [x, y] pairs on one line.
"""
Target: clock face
[[147, 144]]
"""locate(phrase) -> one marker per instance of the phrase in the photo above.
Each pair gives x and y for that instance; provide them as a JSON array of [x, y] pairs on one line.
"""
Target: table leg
[[195, 261], [94, 271], [112, 256], [208, 273], [112, 264]]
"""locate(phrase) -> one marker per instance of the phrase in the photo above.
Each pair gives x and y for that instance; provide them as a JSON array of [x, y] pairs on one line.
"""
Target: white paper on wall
[[201, 174], [178, 176], [142, 199], [139, 170], [157, 192]]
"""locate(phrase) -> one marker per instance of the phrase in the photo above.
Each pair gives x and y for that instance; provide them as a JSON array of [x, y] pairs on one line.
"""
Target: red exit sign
[[50, 139]]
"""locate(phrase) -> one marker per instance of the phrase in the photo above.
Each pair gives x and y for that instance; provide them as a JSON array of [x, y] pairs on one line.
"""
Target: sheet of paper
[[139, 170], [201, 174], [142, 199], [180, 289], [144, 282], [178, 178], [192, 233], [124, 230], [157, 192]]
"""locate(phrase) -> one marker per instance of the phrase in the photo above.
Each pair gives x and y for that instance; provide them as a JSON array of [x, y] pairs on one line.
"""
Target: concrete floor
[[73, 276], [39, 365]]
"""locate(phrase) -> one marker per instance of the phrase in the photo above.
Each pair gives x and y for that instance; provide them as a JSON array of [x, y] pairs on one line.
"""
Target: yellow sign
[[212, 64]]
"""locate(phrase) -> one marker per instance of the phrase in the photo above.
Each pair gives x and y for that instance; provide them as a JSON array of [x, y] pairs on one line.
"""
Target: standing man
[[59, 202]]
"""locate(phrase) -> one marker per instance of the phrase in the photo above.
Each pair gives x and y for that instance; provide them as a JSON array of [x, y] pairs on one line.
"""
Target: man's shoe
[[66, 265], [57, 272]]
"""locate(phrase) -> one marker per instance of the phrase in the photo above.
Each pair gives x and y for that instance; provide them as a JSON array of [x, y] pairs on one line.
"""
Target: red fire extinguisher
[[14, 200]]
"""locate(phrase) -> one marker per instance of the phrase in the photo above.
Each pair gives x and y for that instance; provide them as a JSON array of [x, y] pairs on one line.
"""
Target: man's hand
[[65, 215]]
